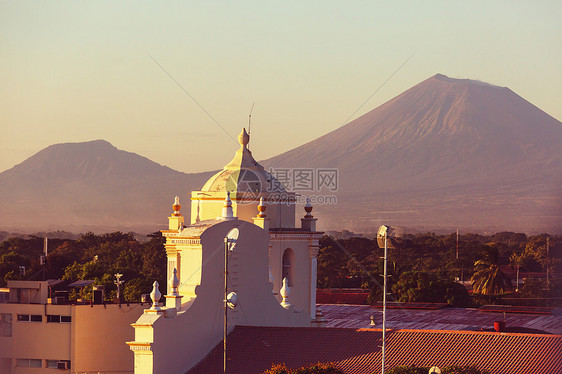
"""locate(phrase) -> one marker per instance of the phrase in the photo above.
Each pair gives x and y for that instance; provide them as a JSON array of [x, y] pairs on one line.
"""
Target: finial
[[373, 320], [308, 208], [155, 295], [227, 213], [244, 138], [174, 283], [285, 291], [261, 209], [176, 207]]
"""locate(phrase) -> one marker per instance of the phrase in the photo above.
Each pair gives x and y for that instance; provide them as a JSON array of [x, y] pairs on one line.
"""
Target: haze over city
[[75, 72]]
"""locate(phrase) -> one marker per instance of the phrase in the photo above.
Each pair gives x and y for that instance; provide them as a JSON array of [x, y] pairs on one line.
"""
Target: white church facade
[[271, 268]]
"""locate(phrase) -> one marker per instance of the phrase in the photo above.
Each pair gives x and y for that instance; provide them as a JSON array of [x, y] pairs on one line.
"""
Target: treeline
[[429, 268], [426, 268], [90, 257]]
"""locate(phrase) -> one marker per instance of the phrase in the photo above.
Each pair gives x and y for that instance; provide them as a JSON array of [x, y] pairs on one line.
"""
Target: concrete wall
[[300, 289], [94, 340], [100, 334], [36, 340]]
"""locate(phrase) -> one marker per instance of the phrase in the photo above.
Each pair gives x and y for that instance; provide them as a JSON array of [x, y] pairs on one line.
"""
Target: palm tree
[[488, 279]]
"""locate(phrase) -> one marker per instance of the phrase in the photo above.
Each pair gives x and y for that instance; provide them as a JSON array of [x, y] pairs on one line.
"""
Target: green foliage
[[355, 262], [488, 279], [415, 286], [539, 288], [91, 257], [454, 369], [407, 370], [318, 368], [467, 369], [346, 263]]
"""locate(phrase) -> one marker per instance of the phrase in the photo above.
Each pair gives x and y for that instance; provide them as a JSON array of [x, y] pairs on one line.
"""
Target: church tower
[[258, 197], [269, 265]]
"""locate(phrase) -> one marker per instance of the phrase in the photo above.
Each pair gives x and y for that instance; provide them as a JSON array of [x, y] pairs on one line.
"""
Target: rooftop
[[255, 349], [243, 174], [359, 316]]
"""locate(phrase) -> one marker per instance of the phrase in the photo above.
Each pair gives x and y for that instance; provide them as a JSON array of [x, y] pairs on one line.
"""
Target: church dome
[[243, 174]]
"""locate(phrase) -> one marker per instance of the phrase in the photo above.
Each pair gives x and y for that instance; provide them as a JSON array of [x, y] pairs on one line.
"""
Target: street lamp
[[230, 299], [118, 282], [387, 237]]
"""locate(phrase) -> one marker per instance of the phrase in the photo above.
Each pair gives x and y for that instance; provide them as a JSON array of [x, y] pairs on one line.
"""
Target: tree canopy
[[90, 257]]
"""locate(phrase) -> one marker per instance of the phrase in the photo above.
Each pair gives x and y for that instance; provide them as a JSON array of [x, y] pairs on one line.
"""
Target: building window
[[55, 318], [58, 364], [288, 266], [6, 324], [30, 318], [28, 363]]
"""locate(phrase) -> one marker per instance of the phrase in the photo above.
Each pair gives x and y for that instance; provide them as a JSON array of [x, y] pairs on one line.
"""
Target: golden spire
[[244, 138]]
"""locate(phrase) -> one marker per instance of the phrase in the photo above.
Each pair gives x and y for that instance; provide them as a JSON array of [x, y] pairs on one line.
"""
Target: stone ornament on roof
[[261, 209], [155, 295], [227, 213], [174, 283], [176, 207], [285, 291], [308, 208]]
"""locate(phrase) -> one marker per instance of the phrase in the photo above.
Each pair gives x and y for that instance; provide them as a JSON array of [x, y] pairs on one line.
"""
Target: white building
[[270, 248]]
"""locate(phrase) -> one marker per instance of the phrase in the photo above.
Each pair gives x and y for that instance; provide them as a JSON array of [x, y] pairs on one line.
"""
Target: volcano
[[445, 154]]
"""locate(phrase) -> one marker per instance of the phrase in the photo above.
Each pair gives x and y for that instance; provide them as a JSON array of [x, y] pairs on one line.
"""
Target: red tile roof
[[255, 349]]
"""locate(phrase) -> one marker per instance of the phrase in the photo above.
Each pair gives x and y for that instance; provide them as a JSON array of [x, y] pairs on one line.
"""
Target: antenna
[[250, 121], [457, 244]]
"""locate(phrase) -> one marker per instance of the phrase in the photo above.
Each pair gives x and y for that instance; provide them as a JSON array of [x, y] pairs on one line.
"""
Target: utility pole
[[225, 301], [457, 244], [384, 301], [44, 256], [548, 263], [118, 282]]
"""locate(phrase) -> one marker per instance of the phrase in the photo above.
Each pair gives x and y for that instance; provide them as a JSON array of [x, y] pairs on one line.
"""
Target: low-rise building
[[38, 336]]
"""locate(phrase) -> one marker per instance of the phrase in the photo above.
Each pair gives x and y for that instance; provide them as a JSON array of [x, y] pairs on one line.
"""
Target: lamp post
[[230, 300], [118, 282], [387, 237], [384, 297]]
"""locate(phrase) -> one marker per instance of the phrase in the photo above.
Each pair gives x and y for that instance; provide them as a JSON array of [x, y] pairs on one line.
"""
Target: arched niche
[[288, 270]]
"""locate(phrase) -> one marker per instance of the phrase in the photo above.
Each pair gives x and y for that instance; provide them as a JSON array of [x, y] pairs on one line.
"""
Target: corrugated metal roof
[[255, 349], [81, 283], [359, 316]]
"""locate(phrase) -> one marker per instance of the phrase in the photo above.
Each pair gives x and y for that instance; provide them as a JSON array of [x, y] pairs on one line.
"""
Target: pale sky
[[78, 71]]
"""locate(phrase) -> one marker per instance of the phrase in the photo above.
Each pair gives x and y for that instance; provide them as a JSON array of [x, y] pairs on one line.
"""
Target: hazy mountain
[[91, 186], [446, 153]]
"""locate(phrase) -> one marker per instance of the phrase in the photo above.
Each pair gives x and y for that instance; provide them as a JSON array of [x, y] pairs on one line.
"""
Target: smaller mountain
[[90, 186]]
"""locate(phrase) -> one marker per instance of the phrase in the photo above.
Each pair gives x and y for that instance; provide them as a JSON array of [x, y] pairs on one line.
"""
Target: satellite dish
[[232, 300], [231, 238], [434, 370], [393, 236]]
